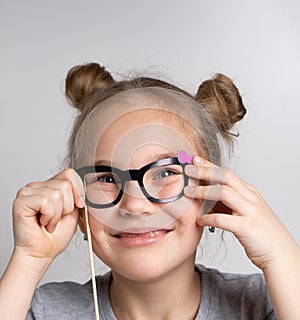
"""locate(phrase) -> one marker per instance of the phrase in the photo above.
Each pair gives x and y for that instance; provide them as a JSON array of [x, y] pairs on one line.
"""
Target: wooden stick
[[89, 239]]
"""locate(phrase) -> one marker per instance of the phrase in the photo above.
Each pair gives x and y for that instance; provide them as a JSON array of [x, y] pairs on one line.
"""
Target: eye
[[164, 174], [105, 178]]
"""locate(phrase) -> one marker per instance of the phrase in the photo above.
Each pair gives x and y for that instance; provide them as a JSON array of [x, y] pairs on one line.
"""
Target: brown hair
[[90, 84], [222, 100]]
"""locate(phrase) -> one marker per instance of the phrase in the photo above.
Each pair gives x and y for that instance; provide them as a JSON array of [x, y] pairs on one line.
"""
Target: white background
[[257, 43]]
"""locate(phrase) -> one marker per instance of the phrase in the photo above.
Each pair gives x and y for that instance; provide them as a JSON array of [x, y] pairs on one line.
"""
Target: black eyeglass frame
[[133, 175]]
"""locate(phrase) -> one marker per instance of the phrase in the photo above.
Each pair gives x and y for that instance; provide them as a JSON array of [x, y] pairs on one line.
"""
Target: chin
[[146, 266], [143, 271]]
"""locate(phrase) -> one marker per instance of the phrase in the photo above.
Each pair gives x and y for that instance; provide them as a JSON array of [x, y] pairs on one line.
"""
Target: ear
[[81, 221]]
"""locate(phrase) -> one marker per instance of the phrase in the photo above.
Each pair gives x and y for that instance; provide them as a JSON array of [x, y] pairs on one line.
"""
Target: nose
[[134, 202]]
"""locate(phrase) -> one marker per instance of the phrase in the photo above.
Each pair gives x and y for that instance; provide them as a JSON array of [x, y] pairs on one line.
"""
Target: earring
[[211, 229], [84, 237]]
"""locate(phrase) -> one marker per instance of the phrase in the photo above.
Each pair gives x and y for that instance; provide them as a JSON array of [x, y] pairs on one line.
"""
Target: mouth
[[141, 237]]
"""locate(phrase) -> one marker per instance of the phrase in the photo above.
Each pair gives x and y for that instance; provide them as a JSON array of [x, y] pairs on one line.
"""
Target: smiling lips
[[142, 238]]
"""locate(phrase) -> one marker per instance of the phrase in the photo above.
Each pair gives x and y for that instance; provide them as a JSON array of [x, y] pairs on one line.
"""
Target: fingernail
[[191, 169], [51, 228], [81, 202], [198, 160], [80, 189], [190, 190], [198, 220]]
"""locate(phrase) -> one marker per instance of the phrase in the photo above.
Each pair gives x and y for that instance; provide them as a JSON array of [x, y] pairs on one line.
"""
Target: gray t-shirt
[[223, 296]]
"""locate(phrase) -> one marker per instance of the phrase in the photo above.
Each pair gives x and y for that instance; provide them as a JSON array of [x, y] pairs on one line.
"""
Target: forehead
[[136, 122], [143, 125], [142, 133]]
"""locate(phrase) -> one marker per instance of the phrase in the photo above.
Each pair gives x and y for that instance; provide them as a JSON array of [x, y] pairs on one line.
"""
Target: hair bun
[[84, 80], [222, 100]]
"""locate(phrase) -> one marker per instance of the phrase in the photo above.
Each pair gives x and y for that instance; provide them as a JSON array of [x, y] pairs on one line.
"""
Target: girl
[[147, 158]]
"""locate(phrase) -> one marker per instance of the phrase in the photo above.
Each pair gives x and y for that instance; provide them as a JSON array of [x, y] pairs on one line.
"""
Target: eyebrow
[[105, 162], [164, 156]]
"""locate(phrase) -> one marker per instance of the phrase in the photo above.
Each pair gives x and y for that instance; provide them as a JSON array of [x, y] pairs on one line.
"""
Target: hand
[[241, 210], [46, 214]]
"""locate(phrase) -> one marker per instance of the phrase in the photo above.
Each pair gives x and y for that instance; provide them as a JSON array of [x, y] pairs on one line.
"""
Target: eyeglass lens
[[159, 182]]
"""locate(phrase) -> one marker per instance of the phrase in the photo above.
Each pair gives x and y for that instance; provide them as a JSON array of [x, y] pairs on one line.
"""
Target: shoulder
[[66, 300], [239, 281], [238, 295]]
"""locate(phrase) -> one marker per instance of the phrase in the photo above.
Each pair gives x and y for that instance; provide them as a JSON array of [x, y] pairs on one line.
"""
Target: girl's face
[[136, 250]]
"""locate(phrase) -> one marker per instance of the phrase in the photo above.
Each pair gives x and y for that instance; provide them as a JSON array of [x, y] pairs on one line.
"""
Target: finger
[[50, 219], [71, 220], [54, 198], [76, 183], [211, 174], [227, 195], [217, 175], [39, 208], [199, 161], [58, 191], [229, 223]]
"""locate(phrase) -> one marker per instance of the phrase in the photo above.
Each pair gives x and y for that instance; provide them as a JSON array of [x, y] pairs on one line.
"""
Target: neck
[[175, 295]]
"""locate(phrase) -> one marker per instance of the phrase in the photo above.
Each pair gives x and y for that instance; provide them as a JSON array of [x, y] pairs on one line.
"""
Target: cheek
[[192, 211], [101, 241], [188, 225]]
